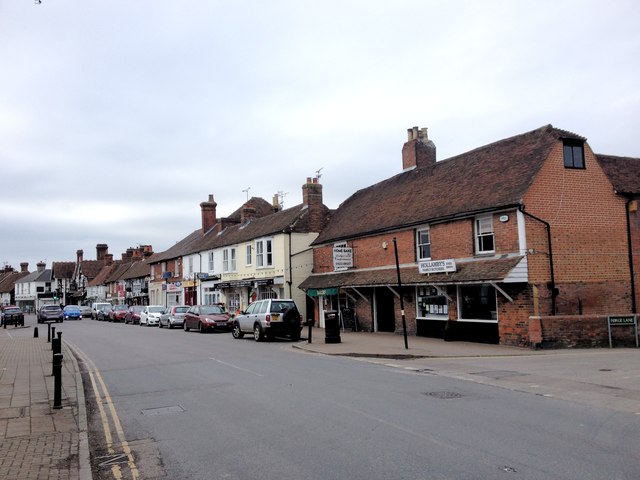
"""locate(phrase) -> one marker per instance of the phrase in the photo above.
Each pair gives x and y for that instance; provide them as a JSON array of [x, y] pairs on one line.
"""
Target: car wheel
[[169, 326], [186, 329], [236, 332], [200, 329], [295, 336], [159, 324], [258, 334]]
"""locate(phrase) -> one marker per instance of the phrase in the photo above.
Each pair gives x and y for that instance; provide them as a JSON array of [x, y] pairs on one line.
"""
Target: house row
[[533, 240]]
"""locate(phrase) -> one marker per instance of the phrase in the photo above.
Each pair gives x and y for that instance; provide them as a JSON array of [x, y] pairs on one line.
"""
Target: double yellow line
[[109, 418]]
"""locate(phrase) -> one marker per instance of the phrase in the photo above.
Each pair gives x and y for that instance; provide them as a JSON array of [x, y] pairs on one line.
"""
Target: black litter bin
[[331, 327]]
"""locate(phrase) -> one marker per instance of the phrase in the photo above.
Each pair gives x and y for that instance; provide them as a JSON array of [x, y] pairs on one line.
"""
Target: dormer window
[[573, 153]]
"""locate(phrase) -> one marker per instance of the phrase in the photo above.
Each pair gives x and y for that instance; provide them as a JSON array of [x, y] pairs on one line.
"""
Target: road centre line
[[94, 374], [236, 367]]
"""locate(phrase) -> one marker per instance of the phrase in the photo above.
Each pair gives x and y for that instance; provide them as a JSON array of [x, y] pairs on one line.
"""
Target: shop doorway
[[385, 312]]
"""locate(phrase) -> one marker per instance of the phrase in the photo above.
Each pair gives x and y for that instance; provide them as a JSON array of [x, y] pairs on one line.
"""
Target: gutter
[[552, 283]]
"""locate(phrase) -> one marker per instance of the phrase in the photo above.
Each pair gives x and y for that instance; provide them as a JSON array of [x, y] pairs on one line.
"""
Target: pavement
[[38, 441]]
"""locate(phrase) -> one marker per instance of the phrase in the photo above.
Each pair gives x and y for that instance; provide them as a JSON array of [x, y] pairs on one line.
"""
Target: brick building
[[522, 242]]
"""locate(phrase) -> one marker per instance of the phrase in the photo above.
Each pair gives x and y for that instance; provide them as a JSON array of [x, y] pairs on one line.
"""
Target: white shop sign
[[437, 266], [342, 258]]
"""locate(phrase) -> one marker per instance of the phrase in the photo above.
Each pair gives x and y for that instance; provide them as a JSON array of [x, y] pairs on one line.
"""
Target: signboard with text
[[342, 258], [622, 321], [437, 266]]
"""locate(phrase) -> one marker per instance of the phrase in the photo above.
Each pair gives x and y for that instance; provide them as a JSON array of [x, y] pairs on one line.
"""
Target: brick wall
[[588, 229], [562, 331]]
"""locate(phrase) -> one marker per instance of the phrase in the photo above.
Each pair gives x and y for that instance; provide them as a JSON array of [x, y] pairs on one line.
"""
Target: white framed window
[[423, 243], [485, 241], [229, 260], [190, 266], [211, 296], [248, 255], [211, 264], [264, 255]]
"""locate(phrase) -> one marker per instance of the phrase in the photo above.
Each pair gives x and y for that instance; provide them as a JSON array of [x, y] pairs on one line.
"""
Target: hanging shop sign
[[437, 266], [342, 258]]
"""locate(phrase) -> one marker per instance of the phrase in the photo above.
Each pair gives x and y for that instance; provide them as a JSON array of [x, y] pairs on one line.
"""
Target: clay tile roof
[[623, 172], [63, 269], [103, 274], [91, 268], [8, 281], [139, 269], [496, 175], [479, 270]]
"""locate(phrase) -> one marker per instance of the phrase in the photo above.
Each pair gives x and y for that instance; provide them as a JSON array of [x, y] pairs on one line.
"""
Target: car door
[[246, 320]]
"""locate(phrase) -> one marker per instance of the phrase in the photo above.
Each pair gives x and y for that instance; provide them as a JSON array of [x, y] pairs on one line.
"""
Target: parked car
[[72, 312], [269, 318], [86, 311], [104, 311], [207, 318], [133, 315], [173, 316], [11, 315], [50, 312], [117, 313], [150, 315], [95, 307]]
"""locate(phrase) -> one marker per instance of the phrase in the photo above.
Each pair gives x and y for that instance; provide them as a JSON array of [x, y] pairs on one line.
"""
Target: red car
[[133, 315], [204, 318], [118, 313]]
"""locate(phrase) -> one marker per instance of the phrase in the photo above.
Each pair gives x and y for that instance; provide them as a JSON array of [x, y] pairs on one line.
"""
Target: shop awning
[[475, 271]]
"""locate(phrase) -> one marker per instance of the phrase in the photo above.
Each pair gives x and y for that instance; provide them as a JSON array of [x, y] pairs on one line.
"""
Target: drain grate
[[444, 395], [163, 410]]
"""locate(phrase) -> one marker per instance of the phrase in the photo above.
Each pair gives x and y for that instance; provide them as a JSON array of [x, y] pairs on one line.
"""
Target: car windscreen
[[11, 310], [156, 309], [181, 309], [51, 307]]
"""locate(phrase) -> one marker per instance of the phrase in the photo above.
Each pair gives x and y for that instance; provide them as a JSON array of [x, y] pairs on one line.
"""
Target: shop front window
[[478, 302], [431, 304]]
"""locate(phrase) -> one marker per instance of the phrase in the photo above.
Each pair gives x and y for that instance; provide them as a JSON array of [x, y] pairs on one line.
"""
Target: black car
[[50, 312], [12, 315]]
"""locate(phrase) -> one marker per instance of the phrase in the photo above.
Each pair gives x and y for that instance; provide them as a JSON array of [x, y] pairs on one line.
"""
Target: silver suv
[[269, 318]]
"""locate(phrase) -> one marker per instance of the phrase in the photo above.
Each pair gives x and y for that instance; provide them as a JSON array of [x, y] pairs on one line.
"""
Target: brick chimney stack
[[102, 249], [208, 210], [24, 267], [312, 199], [419, 151], [247, 213], [80, 255], [276, 203]]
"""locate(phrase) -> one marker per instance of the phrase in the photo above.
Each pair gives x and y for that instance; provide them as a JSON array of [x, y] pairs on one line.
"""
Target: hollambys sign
[[437, 266]]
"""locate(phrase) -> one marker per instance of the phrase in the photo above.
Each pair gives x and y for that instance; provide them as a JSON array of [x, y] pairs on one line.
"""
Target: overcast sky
[[117, 118]]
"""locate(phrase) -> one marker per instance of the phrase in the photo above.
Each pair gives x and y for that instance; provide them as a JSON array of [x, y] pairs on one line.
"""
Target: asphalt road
[[206, 406]]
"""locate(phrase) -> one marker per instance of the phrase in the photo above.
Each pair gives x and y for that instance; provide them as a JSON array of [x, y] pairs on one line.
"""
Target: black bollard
[[310, 323], [60, 338], [56, 345], [53, 333], [57, 380], [48, 333], [35, 332]]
